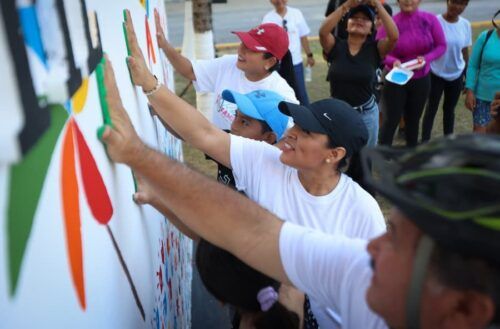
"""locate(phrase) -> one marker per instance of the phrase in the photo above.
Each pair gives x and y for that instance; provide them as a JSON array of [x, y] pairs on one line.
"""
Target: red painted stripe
[[93, 185], [149, 41]]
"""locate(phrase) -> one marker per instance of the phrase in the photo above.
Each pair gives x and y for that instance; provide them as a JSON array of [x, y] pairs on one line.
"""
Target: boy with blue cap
[[257, 117]]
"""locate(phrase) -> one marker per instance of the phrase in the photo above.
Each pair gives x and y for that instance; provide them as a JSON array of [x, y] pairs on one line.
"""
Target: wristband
[[310, 55], [154, 90]]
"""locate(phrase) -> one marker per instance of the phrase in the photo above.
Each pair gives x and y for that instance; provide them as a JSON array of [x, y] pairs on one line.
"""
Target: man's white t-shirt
[[458, 36], [334, 270], [348, 210], [216, 75], [296, 26]]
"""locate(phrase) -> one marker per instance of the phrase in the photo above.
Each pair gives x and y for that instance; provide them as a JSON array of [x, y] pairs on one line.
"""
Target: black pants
[[408, 101], [452, 90]]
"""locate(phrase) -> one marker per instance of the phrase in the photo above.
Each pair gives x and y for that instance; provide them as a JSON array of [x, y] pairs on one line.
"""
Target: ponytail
[[286, 70]]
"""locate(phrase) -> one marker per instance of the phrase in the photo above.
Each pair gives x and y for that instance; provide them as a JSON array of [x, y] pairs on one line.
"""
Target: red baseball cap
[[266, 38]]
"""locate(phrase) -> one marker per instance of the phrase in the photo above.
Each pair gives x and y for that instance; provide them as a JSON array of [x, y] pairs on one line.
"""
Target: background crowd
[[289, 156]]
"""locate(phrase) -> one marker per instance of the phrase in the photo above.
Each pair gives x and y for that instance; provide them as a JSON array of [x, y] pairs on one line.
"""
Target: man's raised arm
[[213, 211]]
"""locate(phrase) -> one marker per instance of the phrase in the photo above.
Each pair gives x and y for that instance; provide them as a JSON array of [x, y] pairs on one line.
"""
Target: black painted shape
[[75, 76], [36, 116], [95, 54]]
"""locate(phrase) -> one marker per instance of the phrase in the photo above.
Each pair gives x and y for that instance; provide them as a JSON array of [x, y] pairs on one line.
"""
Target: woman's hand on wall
[[160, 34], [141, 76]]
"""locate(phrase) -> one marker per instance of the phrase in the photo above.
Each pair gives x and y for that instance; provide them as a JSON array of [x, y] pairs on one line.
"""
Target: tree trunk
[[202, 16], [203, 47]]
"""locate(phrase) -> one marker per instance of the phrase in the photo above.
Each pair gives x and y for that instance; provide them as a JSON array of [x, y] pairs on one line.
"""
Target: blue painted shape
[[31, 31], [399, 77], [165, 306], [157, 318], [68, 107]]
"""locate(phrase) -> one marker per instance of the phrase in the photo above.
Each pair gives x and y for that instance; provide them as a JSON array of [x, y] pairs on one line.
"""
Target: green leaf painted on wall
[[26, 183]]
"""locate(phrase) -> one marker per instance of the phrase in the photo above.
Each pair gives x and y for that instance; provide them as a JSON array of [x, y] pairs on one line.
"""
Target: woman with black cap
[[300, 182], [354, 61], [262, 52]]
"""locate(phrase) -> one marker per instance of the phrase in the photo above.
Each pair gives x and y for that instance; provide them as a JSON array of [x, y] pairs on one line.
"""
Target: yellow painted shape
[[80, 96]]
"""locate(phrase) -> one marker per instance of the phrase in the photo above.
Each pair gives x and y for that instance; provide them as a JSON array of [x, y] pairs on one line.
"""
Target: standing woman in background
[[483, 76], [421, 37], [294, 23], [448, 71], [354, 62]]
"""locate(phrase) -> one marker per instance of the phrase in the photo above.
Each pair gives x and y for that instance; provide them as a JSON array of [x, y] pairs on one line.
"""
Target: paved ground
[[244, 14]]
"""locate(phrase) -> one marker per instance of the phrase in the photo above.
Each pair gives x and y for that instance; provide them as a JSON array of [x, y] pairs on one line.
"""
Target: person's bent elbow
[[188, 71], [326, 40], [393, 37]]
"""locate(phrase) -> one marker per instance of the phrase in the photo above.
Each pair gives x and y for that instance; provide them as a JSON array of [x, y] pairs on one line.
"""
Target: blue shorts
[[481, 115]]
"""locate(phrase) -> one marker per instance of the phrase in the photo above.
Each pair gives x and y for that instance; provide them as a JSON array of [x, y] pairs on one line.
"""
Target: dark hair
[[344, 161], [231, 281], [467, 273], [286, 70], [276, 66], [264, 126]]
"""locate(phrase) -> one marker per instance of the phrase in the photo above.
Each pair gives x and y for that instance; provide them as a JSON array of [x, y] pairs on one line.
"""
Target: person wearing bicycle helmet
[[438, 266]]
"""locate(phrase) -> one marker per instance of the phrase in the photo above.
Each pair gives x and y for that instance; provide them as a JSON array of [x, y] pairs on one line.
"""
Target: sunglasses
[[284, 25]]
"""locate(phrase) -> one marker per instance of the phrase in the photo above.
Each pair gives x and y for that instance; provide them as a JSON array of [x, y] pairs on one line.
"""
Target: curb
[[229, 45]]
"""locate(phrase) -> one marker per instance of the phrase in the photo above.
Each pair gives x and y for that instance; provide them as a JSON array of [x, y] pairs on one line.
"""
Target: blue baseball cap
[[261, 105]]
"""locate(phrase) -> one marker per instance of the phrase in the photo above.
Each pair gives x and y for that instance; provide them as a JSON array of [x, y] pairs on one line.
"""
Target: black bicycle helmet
[[450, 189]]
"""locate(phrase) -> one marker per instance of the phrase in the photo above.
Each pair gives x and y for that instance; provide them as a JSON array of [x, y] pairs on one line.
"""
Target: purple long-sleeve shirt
[[420, 34]]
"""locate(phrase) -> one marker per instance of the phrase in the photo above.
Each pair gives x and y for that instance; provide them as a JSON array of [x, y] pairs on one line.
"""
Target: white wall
[[45, 296]]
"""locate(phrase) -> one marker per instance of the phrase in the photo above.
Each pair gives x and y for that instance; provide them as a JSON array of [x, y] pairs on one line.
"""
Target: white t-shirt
[[296, 26], [218, 74], [458, 36], [348, 210], [334, 270]]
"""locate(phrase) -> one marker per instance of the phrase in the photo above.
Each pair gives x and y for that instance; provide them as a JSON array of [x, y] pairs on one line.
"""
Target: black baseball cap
[[365, 9], [331, 117]]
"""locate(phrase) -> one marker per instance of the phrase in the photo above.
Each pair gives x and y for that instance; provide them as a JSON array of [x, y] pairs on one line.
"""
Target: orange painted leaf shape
[[71, 212], [93, 185]]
